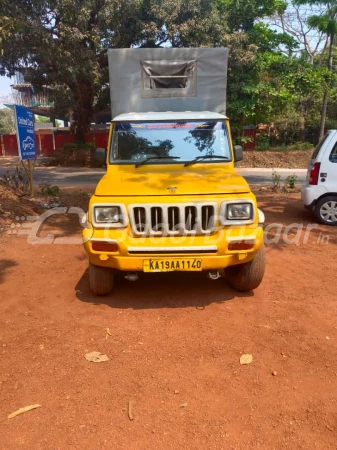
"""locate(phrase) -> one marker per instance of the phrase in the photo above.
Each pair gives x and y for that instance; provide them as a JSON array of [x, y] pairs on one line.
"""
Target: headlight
[[239, 211], [111, 214]]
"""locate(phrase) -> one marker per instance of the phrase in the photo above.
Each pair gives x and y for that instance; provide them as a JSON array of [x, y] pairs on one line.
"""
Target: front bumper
[[212, 250]]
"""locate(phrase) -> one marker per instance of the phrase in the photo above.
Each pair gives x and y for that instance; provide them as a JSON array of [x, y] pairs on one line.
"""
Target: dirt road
[[174, 350]]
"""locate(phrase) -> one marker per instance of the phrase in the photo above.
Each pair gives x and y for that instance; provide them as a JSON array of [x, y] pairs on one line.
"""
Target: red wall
[[10, 145], [61, 139], [47, 144]]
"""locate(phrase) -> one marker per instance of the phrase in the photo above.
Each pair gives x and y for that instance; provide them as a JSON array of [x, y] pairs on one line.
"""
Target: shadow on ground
[[61, 225], [286, 215], [161, 290], [6, 264]]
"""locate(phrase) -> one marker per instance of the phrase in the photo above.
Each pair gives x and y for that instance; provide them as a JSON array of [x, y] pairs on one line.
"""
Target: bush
[[72, 145], [77, 155], [68, 145], [276, 179], [17, 179], [300, 146], [262, 143], [291, 181], [48, 189], [87, 145], [292, 147]]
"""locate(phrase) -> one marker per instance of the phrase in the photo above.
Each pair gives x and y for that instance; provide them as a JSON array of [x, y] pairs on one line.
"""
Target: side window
[[333, 154], [169, 79]]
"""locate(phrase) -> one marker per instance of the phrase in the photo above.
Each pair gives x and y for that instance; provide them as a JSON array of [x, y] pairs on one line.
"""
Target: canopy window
[[169, 78]]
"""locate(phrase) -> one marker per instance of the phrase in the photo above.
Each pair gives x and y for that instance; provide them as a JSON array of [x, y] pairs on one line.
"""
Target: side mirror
[[101, 155], [238, 153]]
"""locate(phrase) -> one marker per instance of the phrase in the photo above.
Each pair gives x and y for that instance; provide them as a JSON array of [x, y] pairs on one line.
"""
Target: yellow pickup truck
[[171, 200]]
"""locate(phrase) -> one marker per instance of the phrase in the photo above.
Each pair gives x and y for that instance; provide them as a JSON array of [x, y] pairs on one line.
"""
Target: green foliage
[[17, 179], [276, 179], [64, 44], [262, 143], [327, 24], [69, 145], [241, 140], [242, 14], [43, 119], [269, 40], [7, 121], [291, 181], [300, 146], [72, 145], [297, 146], [49, 190]]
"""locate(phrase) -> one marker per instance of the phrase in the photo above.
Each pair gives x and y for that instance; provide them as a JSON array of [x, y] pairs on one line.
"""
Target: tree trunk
[[303, 117], [326, 93], [323, 116], [303, 113], [83, 112]]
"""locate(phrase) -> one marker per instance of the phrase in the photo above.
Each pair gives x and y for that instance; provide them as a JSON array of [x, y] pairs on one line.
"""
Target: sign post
[[24, 119]]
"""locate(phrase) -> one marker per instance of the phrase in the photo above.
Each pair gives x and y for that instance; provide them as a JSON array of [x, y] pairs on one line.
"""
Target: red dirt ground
[[175, 339]]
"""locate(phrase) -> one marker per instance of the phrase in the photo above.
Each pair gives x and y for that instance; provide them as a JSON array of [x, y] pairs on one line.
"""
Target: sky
[[5, 89]]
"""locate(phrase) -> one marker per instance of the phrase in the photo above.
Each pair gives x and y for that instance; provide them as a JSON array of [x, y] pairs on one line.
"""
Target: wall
[[48, 144]]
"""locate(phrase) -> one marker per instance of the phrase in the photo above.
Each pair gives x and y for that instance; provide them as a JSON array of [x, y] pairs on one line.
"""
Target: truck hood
[[200, 179]]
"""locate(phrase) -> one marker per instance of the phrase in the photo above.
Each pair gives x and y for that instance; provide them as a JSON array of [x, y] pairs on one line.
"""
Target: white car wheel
[[326, 210]]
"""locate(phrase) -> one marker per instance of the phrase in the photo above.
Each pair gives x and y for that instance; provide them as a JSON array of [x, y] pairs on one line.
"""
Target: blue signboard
[[25, 132]]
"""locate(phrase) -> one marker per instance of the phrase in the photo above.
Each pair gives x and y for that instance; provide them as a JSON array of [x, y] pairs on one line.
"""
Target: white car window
[[333, 154]]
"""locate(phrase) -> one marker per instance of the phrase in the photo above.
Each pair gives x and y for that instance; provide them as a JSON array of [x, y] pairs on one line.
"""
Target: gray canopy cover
[[168, 79]]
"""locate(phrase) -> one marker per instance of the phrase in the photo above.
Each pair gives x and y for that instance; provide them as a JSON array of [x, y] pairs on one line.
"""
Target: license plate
[[171, 265]]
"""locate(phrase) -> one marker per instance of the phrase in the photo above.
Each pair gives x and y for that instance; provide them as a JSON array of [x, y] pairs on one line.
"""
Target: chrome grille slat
[[173, 220], [140, 219], [190, 218], [207, 216], [157, 221]]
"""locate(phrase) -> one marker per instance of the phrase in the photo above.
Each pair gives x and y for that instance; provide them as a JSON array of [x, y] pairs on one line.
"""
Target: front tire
[[247, 276], [101, 280], [326, 210]]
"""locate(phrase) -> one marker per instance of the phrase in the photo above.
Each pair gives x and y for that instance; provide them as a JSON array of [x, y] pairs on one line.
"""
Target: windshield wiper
[[198, 158], [155, 157]]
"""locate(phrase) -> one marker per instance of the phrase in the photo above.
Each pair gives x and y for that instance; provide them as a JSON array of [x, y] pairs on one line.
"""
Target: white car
[[320, 191], [28, 143]]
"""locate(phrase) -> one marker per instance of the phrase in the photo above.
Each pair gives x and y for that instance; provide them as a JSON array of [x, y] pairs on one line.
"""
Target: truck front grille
[[168, 220]]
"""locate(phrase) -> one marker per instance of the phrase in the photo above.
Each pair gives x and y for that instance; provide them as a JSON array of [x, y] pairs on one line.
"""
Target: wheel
[[247, 276], [326, 210], [101, 280]]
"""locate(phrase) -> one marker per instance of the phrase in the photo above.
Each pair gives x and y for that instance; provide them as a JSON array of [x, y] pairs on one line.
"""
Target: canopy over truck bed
[[168, 79]]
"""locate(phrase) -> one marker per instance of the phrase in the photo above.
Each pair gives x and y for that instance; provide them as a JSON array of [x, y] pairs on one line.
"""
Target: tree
[[63, 43], [249, 38], [327, 25], [294, 22], [57, 43], [43, 119], [243, 14], [7, 121]]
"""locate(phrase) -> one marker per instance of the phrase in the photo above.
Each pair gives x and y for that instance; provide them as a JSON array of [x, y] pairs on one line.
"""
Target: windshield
[[180, 142]]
